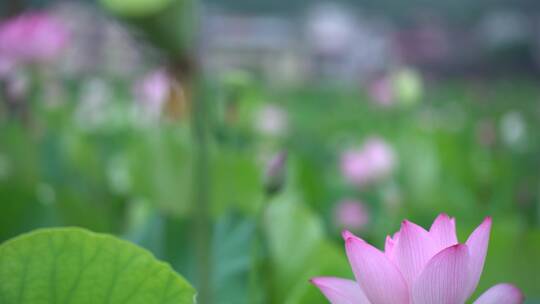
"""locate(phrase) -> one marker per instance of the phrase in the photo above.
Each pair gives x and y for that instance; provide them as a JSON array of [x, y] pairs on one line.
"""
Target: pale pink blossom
[[381, 91], [374, 161], [153, 91], [6, 65], [418, 266], [32, 37], [351, 215]]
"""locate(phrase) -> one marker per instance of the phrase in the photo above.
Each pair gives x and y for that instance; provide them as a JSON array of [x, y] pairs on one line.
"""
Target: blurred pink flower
[[374, 161], [6, 66], [32, 37], [418, 267], [351, 215], [153, 91], [381, 92]]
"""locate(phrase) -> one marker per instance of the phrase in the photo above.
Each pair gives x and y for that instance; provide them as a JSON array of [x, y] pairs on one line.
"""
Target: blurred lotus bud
[[381, 91], [32, 37], [351, 215], [373, 162], [153, 91], [407, 85], [271, 120], [486, 133], [513, 129], [275, 173]]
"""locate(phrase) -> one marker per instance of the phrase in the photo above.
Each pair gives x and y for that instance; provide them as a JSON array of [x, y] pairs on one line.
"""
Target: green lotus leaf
[[72, 265]]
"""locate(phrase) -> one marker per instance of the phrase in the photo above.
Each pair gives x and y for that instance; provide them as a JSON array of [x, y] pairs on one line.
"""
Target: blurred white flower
[[271, 120], [351, 215], [513, 128], [373, 162], [91, 111], [118, 174], [330, 29]]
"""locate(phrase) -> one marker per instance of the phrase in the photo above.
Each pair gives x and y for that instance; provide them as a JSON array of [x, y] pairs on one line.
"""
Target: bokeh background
[[236, 139]]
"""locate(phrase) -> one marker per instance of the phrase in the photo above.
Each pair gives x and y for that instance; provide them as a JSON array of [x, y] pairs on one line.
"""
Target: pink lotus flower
[[418, 267], [32, 37], [351, 215], [374, 161]]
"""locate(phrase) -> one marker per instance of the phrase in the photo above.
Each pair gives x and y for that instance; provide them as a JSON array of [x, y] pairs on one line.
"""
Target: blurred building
[[329, 43], [285, 42], [346, 46], [266, 46]]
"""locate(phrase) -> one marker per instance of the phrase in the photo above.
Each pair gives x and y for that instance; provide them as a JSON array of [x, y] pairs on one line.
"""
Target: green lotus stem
[[201, 200]]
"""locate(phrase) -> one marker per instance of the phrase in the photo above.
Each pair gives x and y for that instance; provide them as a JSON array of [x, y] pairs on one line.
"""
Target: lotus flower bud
[[275, 173]]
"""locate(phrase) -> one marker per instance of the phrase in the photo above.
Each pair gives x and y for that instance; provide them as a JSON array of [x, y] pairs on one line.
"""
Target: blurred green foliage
[[135, 180]]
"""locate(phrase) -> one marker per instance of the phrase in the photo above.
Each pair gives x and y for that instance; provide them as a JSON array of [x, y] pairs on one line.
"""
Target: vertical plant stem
[[262, 278], [203, 226], [186, 68], [201, 199]]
